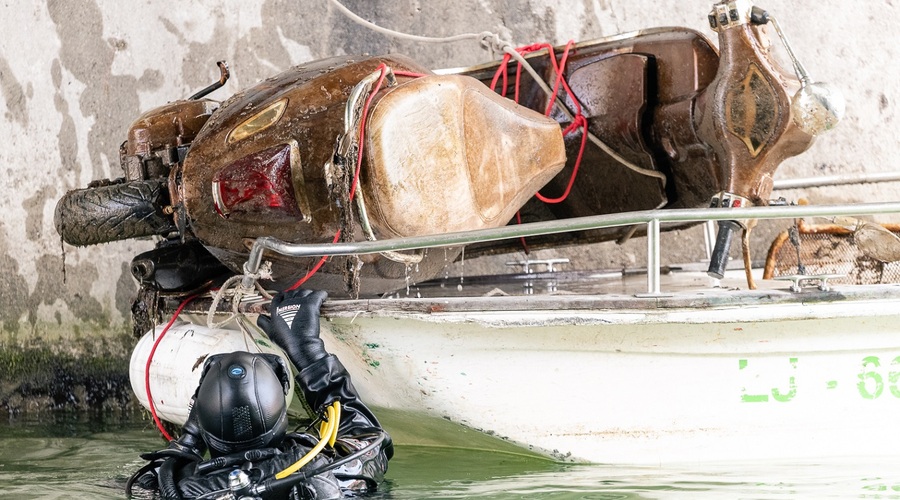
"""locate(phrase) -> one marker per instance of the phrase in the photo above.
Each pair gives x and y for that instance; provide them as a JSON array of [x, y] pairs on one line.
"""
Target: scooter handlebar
[[719, 259]]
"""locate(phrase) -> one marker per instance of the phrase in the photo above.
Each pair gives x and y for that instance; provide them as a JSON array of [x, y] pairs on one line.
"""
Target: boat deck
[[684, 287]]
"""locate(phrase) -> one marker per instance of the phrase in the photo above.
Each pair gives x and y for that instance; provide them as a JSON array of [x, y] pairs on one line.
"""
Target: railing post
[[653, 256]]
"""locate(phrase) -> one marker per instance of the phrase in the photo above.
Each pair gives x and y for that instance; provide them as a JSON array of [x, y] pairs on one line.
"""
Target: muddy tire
[[113, 212]]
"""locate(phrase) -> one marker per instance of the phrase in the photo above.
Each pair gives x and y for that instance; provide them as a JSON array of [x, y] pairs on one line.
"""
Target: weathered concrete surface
[[74, 74]]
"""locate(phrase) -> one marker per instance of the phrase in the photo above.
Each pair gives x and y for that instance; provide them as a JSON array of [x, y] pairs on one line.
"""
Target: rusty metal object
[[638, 92], [224, 75], [745, 115], [315, 96], [754, 115], [425, 148], [874, 240], [462, 178], [154, 138], [718, 127], [670, 124], [830, 249], [877, 243]]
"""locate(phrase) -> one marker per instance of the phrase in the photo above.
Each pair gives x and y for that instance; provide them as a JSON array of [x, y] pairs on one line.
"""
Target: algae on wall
[[86, 375], [74, 75]]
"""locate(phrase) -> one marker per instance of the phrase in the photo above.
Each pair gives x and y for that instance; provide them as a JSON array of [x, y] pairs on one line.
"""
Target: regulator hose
[[718, 261], [218, 463], [298, 477], [129, 486], [168, 488]]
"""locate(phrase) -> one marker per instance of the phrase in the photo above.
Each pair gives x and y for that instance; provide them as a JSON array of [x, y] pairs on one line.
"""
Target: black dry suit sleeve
[[326, 381]]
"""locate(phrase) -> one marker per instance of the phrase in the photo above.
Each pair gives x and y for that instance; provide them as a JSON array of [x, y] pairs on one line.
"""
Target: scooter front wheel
[[114, 212]]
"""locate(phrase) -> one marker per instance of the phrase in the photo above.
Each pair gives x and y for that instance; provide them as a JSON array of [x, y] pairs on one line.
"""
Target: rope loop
[[234, 286], [492, 41]]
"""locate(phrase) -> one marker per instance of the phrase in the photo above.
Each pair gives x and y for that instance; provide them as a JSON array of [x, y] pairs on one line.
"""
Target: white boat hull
[[708, 376]]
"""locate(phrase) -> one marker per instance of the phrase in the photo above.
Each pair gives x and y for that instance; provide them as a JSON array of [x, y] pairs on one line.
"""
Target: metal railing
[[837, 180], [652, 218]]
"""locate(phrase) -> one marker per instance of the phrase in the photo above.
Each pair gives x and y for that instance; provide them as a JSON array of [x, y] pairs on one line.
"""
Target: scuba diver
[[239, 414]]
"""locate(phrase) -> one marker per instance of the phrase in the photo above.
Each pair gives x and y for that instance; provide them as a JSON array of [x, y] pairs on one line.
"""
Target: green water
[[92, 455]]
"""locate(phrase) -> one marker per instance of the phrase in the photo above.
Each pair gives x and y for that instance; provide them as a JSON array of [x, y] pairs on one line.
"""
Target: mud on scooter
[[352, 149]]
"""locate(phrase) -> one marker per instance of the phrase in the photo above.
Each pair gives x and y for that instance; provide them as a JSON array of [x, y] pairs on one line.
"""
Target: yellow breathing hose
[[327, 434], [337, 423]]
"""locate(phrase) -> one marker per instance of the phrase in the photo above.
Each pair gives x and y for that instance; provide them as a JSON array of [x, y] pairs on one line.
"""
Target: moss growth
[[75, 377]]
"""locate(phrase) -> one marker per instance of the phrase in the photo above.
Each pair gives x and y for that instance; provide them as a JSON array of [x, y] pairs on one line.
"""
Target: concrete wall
[[74, 74]]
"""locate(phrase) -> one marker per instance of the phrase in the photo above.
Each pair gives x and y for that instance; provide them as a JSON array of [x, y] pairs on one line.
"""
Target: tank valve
[[239, 484]]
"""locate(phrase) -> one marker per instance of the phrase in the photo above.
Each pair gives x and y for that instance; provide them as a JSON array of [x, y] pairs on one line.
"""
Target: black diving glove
[[294, 325]]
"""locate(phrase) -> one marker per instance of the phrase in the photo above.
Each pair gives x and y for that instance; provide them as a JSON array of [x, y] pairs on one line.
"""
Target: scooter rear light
[[260, 183]]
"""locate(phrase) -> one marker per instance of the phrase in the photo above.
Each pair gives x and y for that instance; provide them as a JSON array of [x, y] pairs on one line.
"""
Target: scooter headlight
[[257, 123]]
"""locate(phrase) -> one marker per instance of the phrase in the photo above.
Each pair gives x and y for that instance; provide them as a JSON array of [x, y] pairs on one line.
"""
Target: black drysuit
[[355, 465]]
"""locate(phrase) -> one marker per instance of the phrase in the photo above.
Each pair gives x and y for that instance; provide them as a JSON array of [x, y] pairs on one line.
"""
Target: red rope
[[362, 141], [315, 268], [150, 359], [362, 128], [521, 238], [504, 64], [560, 79], [578, 120], [409, 74]]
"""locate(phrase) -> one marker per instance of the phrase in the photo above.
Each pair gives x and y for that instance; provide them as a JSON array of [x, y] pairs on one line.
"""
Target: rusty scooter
[[342, 149], [352, 149]]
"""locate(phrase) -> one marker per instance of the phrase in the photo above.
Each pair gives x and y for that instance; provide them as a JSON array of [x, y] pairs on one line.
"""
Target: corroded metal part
[[430, 144], [315, 95], [506, 152], [746, 115], [154, 138], [638, 91]]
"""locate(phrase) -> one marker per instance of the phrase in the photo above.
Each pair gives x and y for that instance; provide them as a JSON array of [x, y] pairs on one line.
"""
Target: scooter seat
[[445, 154]]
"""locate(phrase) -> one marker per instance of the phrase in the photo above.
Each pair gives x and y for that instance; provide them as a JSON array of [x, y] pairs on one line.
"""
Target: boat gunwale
[[709, 305], [705, 298]]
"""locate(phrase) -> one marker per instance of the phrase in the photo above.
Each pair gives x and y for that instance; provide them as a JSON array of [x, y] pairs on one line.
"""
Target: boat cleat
[[797, 280], [527, 268], [527, 264]]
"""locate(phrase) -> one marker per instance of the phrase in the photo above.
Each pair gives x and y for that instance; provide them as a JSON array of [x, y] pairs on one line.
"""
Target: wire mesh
[[816, 249]]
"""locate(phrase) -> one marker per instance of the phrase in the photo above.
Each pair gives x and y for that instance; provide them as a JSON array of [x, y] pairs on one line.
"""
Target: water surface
[[92, 455]]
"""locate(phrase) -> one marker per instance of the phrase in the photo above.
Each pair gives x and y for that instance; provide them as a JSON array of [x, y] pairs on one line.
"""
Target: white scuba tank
[[178, 362]]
